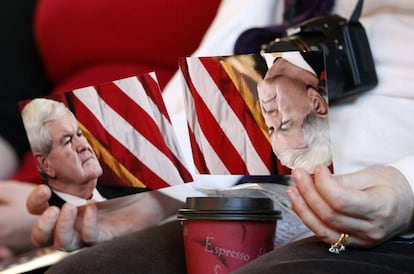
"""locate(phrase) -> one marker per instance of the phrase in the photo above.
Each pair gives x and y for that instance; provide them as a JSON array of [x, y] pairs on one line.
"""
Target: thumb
[[37, 201]]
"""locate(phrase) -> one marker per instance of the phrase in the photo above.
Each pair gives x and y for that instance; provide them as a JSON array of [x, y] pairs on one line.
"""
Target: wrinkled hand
[[53, 221], [371, 205], [70, 227]]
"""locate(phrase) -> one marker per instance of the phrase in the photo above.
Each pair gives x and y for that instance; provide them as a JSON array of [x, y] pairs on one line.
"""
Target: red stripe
[[198, 156], [153, 91], [131, 163], [141, 121], [136, 116], [239, 107], [214, 134]]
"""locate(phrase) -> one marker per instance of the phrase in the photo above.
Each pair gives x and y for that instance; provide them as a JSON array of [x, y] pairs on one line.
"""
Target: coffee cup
[[222, 234]]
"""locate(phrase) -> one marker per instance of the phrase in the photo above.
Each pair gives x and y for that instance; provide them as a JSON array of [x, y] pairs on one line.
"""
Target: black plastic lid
[[229, 208]]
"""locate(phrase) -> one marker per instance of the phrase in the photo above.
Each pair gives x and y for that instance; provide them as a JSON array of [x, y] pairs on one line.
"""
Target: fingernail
[[290, 192], [44, 191]]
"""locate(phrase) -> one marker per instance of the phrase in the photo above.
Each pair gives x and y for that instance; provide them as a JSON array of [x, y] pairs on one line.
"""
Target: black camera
[[350, 68]]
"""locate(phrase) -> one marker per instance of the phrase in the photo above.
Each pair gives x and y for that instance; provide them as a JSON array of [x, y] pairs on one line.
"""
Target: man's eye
[[284, 125], [68, 140], [79, 133]]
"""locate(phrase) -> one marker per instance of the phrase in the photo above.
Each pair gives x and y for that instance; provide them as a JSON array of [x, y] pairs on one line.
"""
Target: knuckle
[[376, 236], [340, 204], [329, 217]]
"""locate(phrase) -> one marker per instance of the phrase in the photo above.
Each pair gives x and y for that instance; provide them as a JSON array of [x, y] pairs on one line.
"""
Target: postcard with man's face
[[257, 114], [117, 134]]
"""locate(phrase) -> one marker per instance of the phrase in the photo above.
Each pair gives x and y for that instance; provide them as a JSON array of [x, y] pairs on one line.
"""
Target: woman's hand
[[371, 205]]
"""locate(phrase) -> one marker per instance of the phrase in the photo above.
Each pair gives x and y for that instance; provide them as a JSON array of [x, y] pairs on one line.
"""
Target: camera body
[[349, 64]]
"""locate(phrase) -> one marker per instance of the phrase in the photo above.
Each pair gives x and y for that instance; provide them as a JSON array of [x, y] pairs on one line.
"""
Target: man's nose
[[80, 143]]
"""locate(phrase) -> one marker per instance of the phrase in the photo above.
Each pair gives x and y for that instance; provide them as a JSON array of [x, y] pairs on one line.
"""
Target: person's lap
[[312, 256], [155, 250], [161, 250]]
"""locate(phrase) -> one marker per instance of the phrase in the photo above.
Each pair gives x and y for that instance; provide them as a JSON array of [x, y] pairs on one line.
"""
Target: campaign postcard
[[257, 114], [118, 135]]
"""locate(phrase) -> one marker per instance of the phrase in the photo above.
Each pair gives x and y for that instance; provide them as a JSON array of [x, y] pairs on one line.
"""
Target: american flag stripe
[[252, 104], [206, 159], [239, 97], [222, 126], [198, 156], [136, 117], [161, 116], [195, 133], [149, 84], [112, 133], [153, 125], [120, 115]]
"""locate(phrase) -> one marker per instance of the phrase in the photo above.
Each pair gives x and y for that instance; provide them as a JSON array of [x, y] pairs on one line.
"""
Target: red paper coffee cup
[[223, 233]]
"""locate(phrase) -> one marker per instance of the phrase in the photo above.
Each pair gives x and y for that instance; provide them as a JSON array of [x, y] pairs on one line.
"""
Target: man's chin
[[97, 173], [93, 168]]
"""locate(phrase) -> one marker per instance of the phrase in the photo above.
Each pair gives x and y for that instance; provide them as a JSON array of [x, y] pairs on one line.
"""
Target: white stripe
[[229, 122], [130, 86], [126, 134], [134, 90], [213, 161]]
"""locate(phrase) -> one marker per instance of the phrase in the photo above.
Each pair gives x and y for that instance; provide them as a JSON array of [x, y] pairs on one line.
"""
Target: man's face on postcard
[[284, 104], [72, 159]]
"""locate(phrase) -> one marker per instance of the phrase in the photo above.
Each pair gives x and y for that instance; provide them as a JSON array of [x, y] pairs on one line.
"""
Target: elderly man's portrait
[[89, 146], [294, 104], [65, 160], [257, 114]]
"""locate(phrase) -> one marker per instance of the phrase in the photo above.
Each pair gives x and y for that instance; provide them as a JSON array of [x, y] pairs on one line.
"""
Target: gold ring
[[340, 244]]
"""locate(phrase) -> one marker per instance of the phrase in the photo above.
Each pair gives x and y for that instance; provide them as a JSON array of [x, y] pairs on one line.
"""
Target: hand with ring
[[360, 209], [339, 245]]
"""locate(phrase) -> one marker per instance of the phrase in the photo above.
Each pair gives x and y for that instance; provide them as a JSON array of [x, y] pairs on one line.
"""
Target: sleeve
[[406, 167], [233, 18]]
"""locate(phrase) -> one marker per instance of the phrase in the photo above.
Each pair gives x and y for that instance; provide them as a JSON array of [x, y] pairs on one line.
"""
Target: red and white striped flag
[[227, 131], [129, 128]]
